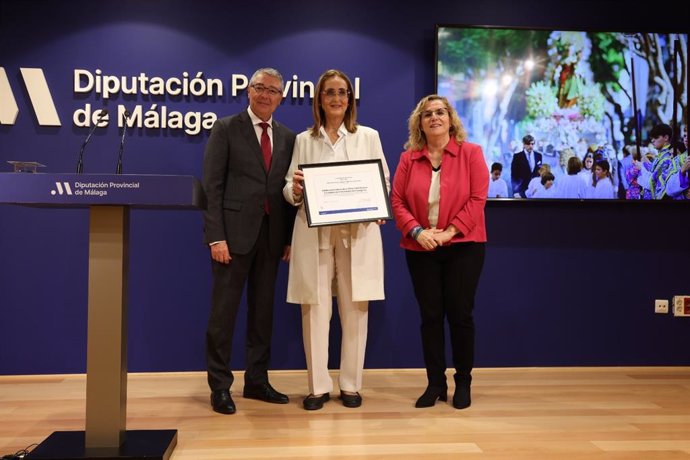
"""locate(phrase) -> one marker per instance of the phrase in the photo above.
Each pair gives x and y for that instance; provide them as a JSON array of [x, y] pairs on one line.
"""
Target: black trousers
[[258, 269], [445, 281]]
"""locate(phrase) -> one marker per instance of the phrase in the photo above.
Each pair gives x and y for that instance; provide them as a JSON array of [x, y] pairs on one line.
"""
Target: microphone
[[118, 168], [80, 163]]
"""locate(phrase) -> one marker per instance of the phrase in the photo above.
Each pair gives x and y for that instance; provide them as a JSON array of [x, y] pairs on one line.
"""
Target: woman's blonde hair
[[417, 139], [350, 119], [544, 168]]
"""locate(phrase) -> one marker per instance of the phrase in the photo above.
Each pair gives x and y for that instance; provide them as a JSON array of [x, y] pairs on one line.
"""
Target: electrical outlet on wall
[[681, 305], [661, 306]]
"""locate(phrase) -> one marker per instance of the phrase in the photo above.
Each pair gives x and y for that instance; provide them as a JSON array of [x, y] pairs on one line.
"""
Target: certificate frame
[[345, 192]]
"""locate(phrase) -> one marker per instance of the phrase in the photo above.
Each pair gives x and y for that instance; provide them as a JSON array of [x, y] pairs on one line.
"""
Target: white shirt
[[256, 121], [434, 197], [530, 160], [604, 190], [533, 186], [498, 188], [586, 176], [572, 187], [331, 153], [544, 192]]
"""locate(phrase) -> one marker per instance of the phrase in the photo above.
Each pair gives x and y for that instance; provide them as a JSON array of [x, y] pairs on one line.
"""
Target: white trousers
[[316, 320]]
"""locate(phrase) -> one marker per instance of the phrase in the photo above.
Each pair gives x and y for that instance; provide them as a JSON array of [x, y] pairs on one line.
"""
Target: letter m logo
[[41, 100], [63, 188]]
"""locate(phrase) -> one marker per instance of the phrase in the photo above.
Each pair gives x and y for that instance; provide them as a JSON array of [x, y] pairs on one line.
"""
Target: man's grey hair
[[267, 71]]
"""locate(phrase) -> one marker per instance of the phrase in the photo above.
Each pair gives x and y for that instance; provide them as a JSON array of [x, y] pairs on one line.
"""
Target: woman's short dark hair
[[547, 176], [574, 165], [603, 164], [662, 129]]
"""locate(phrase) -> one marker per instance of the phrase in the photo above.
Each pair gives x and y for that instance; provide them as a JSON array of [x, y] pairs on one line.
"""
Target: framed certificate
[[345, 192]]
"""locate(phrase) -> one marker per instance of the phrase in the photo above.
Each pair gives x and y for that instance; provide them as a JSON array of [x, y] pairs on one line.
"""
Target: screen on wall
[[554, 109]]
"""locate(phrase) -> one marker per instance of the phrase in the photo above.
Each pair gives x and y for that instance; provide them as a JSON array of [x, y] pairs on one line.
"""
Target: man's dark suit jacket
[[520, 174], [236, 185]]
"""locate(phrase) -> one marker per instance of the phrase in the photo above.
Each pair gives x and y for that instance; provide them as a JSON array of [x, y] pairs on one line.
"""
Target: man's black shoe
[[222, 402], [265, 392]]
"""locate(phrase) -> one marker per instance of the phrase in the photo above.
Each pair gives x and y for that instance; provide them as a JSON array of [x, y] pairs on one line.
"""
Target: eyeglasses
[[261, 89], [341, 93], [430, 113]]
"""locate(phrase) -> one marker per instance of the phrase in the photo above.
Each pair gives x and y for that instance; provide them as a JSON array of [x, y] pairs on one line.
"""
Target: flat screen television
[[574, 93]]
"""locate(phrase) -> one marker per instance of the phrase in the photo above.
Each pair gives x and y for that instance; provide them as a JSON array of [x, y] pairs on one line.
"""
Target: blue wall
[[564, 284]]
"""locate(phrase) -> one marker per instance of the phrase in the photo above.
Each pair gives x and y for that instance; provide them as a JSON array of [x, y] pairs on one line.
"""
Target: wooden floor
[[526, 413]]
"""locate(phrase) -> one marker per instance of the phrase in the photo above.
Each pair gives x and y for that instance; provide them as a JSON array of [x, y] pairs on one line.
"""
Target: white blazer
[[366, 246]]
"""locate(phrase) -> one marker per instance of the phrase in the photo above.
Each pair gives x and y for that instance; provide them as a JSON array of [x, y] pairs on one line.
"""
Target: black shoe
[[462, 398], [312, 402], [222, 402], [264, 392], [430, 395], [348, 400]]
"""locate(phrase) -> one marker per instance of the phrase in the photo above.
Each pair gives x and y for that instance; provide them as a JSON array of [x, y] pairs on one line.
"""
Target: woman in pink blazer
[[439, 192]]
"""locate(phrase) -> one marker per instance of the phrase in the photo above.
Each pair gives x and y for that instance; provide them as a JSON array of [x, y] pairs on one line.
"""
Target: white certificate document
[[345, 192]]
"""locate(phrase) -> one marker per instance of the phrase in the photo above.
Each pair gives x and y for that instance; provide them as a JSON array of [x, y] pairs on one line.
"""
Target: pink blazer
[[464, 187]]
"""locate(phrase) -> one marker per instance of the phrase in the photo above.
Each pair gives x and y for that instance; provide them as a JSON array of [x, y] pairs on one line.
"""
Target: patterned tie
[[266, 149], [266, 145]]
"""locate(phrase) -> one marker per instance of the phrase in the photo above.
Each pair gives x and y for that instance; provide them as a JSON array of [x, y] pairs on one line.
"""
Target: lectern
[[109, 199]]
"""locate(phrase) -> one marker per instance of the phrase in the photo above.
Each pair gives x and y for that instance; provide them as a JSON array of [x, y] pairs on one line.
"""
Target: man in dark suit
[[248, 226], [525, 166]]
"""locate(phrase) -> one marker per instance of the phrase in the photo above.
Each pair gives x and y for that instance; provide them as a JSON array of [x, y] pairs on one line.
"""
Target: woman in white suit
[[352, 253]]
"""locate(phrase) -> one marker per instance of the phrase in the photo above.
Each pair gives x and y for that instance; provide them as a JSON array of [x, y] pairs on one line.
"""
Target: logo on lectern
[[63, 188]]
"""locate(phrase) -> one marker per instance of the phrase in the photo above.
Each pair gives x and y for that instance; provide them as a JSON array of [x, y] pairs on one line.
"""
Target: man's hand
[[286, 254], [221, 253]]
